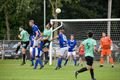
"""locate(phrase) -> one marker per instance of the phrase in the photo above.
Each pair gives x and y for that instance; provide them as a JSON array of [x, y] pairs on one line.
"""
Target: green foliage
[[20, 11]]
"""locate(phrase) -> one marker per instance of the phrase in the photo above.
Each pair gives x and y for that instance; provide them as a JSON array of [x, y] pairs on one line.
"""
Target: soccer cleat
[[112, 66], [78, 64], [23, 63], [94, 79], [101, 65], [45, 62], [34, 68], [57, 68], [65, 64], [75, 64], [81, 65], [32, 65], [76, 73], [41, 67]]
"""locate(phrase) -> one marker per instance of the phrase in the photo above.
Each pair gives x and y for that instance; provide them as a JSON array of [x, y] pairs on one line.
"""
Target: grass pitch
[[12, 70]]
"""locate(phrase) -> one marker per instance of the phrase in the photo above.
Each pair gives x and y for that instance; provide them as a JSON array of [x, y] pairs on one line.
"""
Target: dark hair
[[21, 27], [90, 34], [50, 25], [32, 21], [71, 34], [62, 30]]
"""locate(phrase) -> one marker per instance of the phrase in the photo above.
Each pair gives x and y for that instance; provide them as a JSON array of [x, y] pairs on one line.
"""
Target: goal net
[[79, 27]]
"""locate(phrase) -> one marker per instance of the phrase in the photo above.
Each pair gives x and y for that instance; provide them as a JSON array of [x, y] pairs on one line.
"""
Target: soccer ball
[[58, 10]]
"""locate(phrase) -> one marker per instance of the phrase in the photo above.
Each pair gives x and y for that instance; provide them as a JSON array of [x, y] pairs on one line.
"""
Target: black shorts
[[46, 44], [89, 60], [25, 44]]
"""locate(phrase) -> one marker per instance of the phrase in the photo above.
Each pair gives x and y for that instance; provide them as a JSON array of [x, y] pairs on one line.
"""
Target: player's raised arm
[[20, 36]]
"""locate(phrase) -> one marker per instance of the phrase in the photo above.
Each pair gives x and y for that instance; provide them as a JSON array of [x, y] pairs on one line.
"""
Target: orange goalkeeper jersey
[[105, 42]]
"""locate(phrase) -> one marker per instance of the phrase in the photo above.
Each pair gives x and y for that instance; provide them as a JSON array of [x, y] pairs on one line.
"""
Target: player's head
[[90, 34], [103, 34], [20, 28], [71, 36], [31, 23], [48, 26], [62, 31]]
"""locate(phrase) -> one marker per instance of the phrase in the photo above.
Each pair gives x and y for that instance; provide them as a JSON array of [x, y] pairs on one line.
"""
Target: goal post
[[80, 26], [50, 49]]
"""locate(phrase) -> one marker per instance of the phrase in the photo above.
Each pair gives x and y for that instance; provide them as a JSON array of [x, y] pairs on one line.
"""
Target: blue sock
[[32, 61], [59, 62], [75, 61], [66, 61], [36, 64], [40, 62], [33, 56]]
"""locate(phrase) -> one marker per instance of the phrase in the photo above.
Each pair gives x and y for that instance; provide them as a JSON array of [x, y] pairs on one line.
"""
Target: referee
[[24, 36]]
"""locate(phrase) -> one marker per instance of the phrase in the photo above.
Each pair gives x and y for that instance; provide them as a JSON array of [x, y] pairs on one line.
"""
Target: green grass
[[12, 70]]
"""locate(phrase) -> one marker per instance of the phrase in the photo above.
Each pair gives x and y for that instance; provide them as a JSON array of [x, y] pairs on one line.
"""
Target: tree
[[11, 8]]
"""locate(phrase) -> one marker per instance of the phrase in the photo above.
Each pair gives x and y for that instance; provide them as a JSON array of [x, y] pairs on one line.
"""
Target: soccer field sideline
[[12, 70]]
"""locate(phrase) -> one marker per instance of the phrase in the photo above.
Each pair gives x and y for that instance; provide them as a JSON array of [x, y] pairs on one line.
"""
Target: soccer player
[[72, 44], [90, 46], [106, 45], [37, 35], [46, 41], [24, 36], [63, 47], [81, 55]]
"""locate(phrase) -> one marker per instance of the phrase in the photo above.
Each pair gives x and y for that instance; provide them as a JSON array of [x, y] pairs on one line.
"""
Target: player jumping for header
[[37, 35]]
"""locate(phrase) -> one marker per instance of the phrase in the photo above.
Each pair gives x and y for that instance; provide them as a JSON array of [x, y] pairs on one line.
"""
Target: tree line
[[14, 13]]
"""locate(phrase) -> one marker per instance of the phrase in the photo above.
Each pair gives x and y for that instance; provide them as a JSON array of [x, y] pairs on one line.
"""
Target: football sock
[[46, 57], [82, 70], [36, 64], [101, 61], [66, 61], [33, 56], [111, 60], [92, 73], [40, 62], [24, 56], [59, 62], [75, 61], [32, 61], [18, 47]]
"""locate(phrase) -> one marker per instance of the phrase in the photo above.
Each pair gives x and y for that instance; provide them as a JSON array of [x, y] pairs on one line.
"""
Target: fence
[[9, 47]]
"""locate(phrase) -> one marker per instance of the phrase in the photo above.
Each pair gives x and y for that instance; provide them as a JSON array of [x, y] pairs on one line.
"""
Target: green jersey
[[24, 36], [89, 46], [47, 33]]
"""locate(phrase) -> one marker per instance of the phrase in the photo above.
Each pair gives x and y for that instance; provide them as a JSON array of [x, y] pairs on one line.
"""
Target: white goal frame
[[75, 20]]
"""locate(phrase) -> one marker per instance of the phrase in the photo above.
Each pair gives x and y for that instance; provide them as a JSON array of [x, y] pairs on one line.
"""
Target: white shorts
[[31, 50], [36, 43], [72, 53], [63, 51], [37, 53]]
